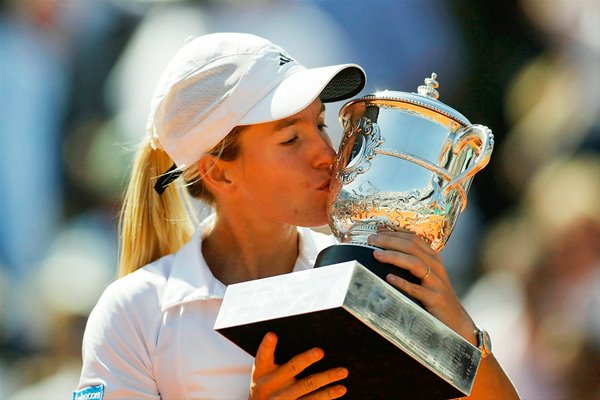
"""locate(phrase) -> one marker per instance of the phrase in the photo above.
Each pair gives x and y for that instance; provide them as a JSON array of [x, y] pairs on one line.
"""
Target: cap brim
[[299, 90]]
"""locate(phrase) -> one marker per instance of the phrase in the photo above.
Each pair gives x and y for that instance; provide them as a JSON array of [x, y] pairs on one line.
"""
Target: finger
[[264, 362], [334, 392], [419, 292], [296, 364], [407, 242], [312, 383], [412, 264], [412, 245], [441, 302]]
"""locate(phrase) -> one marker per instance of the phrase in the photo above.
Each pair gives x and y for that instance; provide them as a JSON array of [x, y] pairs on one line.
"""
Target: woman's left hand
[[408, 251]]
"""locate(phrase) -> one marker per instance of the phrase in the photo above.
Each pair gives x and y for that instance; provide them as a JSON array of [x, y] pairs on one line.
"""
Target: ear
[[214, 172]]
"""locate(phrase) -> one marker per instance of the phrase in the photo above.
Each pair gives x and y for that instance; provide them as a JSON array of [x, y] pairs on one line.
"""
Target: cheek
[[305, 184], [297, 181], [291, 173]]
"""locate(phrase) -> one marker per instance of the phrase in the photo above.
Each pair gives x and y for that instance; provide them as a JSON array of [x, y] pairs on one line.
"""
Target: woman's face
[[284, 169]]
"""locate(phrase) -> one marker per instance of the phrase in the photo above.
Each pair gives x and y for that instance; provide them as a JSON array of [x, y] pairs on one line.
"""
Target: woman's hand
[[408, 251], [272, 381]]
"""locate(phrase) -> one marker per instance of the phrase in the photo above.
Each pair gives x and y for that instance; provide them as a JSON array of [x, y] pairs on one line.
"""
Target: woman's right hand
[[271, 381]]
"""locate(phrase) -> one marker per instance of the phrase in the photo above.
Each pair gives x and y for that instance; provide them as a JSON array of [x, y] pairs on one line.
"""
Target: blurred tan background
[[76, 78]]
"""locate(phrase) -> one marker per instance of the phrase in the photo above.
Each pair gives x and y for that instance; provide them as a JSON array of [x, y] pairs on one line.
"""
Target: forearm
[[492, 382]]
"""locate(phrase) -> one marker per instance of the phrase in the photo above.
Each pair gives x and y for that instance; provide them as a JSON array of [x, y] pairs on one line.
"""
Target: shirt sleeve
[[118, 346]]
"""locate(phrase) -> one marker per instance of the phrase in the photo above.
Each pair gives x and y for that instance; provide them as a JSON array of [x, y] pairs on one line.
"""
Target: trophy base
[[391, 346], [339, 253]]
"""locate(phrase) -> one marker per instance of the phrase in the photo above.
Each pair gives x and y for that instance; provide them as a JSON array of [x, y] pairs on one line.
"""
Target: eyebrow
[[284, 123]]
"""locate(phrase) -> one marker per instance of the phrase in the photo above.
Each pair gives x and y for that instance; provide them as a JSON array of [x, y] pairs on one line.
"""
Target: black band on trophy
[[337, 254]]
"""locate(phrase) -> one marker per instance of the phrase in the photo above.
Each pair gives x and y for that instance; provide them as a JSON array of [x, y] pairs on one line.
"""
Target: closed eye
[[290, 142]]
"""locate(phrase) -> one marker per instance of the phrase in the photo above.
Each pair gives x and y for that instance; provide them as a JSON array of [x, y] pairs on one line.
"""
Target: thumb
[[264, 362]]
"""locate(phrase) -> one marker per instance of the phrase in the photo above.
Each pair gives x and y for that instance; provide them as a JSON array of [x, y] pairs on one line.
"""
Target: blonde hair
[[153, 225]]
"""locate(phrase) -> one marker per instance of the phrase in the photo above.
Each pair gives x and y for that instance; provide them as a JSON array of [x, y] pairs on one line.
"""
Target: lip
[[324, 185]]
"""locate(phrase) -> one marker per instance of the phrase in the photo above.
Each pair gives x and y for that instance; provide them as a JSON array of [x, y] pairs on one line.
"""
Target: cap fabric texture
[[219, 81]]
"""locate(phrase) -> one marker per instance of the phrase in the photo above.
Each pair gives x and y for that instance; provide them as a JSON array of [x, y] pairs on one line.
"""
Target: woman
[[244, 123]]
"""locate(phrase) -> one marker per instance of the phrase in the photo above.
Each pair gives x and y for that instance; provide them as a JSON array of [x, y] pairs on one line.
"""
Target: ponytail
[[152, 225]]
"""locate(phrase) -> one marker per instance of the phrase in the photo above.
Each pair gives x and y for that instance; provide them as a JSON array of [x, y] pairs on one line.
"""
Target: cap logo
[[284, 59]]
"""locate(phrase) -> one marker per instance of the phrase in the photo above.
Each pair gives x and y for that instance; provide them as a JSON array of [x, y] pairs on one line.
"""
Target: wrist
[[468, 330]]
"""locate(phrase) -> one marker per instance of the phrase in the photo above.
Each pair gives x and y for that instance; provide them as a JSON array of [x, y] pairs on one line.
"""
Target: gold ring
[[427, 274]]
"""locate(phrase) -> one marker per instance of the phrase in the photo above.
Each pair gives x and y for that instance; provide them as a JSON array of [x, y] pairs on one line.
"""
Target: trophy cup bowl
[[405, 163]]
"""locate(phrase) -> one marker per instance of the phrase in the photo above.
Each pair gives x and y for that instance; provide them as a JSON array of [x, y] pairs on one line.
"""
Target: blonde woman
[[243, 123]]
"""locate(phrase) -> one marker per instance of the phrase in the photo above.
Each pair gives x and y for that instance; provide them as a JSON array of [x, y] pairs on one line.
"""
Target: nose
[[324, 152]]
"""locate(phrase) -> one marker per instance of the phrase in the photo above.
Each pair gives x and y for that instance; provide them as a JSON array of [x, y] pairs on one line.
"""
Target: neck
[[237, 250]]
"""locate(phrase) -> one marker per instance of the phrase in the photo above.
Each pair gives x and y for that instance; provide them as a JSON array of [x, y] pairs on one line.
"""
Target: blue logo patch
[[89, 393]]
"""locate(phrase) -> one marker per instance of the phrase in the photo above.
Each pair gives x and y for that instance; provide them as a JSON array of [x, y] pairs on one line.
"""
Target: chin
[[311, 217], [314, 221]]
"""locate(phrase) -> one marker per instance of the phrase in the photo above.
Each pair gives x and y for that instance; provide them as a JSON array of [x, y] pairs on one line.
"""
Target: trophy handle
[[479, 138]]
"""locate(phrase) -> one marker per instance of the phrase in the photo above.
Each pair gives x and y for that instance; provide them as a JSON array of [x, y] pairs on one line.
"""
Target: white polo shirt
[[151, 334]]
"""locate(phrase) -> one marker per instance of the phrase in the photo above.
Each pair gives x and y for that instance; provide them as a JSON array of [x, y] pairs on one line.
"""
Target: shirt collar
[[191, 279]]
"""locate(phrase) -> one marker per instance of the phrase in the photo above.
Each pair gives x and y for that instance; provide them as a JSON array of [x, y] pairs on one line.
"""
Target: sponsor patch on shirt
[[89, 393]]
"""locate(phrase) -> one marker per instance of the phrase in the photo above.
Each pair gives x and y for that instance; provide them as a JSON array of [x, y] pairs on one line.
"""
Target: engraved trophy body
[[405, 162]]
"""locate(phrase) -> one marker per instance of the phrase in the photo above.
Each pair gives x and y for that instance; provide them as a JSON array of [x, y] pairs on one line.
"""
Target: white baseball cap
[[222, 80]]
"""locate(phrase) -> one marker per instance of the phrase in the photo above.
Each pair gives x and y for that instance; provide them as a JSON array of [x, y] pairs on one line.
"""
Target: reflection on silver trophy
[[405, 162]]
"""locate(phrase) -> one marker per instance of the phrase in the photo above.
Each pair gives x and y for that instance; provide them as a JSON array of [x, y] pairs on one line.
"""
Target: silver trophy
[[406, 162]]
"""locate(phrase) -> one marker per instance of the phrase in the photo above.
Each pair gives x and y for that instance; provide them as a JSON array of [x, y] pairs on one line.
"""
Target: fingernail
[[340, 390], [341, 372], [370, 239], [378, 252], [391, 278], [317, 353]]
